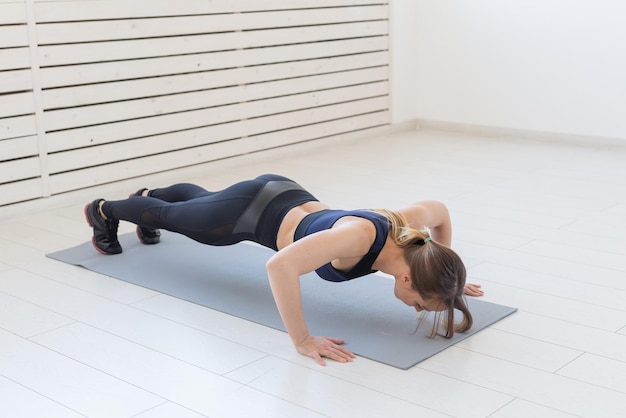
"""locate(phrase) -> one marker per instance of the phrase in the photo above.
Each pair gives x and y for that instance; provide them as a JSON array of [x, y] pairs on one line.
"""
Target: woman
[[339, 245]]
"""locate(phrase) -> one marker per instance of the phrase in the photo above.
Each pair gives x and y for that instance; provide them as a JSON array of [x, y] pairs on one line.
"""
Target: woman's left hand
[[472, 289]]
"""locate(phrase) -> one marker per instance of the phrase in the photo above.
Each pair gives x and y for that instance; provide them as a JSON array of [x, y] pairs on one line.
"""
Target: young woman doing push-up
[[411, 244]]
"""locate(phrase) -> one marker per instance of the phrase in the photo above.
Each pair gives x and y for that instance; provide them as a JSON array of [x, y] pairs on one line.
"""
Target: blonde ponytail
[[401, 233]]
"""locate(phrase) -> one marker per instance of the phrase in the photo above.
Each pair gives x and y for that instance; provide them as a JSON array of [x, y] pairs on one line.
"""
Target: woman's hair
[[437, 272]]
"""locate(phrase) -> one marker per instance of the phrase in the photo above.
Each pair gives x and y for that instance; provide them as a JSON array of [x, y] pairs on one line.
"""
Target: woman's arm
[[431, 214], [351, 239]]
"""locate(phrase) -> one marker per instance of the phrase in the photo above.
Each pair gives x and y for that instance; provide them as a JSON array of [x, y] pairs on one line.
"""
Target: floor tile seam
[[311, 369], [569, 362], [243, 366], [316, 369], [503, 193], [510, 402], [284, 399], [557, 296], [267, 393], [537, 271], [50, 232], [28, 245], [605, 358], [585, 244], [165, 402], [458, 379], [554, 231], [608, 333], [514, 222], [130, 306], [199, 329], [166, 354], [40, 307], [517, 363], [586, 264], [538, 404], [29, 389], [578, 351], [117, 378], [161, 396], [603, 387], [352, 383], [540, 371], [76, 361], [76, 288]]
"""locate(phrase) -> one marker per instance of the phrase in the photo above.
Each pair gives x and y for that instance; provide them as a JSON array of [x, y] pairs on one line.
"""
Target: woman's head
[[437, 274]]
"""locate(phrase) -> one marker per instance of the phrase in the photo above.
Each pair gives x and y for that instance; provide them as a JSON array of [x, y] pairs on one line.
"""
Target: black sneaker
[[148, 236], [104, 231]]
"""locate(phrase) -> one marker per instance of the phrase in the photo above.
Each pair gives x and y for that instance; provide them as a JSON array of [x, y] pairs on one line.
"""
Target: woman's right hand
[[319, 347], [472, 289]]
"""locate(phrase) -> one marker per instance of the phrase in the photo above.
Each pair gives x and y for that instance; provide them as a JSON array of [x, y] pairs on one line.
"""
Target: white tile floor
[[540, 224]]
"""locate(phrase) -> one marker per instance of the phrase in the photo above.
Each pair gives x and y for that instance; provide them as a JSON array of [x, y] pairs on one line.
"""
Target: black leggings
[[224, 217]]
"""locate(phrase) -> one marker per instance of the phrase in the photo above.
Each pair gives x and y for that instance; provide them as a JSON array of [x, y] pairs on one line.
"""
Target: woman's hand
[[318, 347], [473, 290]]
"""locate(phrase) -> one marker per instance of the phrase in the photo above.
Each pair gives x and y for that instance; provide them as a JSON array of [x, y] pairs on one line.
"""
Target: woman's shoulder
[[425, 213]]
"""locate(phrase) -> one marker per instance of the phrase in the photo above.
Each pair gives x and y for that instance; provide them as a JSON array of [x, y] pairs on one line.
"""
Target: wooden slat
[[12, 81], [18, 148], [21, 169], [149, 87], [161, 47], [86, 157], [101, 72], [14, 59], [101, 134], [316, 131], [64, 182], [111, 112], [12, 13], [65, 11], [17, 126], [16, 104], [20, 191], [75, 32], [12, 36]]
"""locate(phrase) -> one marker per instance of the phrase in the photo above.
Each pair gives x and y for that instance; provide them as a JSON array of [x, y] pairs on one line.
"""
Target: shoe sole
[[140, 236]]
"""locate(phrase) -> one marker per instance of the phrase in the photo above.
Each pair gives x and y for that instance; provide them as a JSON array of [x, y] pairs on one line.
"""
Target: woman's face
[[405, 292]]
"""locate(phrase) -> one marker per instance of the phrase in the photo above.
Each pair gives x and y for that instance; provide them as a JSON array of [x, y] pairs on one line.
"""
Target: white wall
[[403, 33], [554, 66]]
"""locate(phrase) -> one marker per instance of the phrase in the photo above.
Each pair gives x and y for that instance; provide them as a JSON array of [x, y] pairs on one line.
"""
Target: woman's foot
[[104, 230], [148, 236]]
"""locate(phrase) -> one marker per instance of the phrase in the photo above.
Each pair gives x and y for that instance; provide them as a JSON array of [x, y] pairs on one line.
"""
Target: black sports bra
[[325, 219]]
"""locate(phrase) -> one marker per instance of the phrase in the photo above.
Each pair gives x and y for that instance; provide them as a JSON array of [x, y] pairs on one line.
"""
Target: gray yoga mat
[[364, 312]]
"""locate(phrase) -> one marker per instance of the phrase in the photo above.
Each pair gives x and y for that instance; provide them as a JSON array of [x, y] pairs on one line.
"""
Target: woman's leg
[[179, 192], [207, 217], [176, 193]]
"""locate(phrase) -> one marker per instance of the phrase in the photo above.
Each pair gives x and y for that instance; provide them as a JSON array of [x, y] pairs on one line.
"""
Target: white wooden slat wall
[[20, 171], [129, 88]]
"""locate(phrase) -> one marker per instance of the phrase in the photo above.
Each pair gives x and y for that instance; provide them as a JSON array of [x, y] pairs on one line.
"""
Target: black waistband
[[249, 220]]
